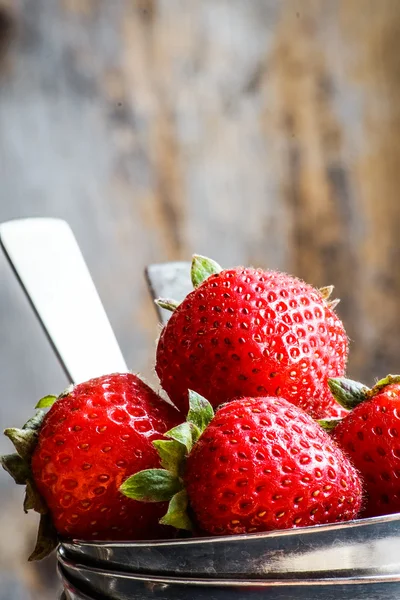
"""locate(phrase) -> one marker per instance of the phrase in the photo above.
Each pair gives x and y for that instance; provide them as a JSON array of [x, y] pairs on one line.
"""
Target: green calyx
[[46, 402], [18, 465], [166, 484], [167, 304], [328, 424], [152, 485], [202, 268], [326, 293], [382, 383], [348, 393]]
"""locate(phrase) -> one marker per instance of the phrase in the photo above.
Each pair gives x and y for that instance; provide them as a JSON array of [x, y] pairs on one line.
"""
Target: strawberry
[[370, 436], [75, 457], [248, 332], [260, 464]]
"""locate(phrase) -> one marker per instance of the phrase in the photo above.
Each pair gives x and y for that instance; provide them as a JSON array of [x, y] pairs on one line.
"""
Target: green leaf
[[182, 434], [328, 424], [33, 500], [333, 303], [176, 515], [167, 303], [17, 467], [46, 402], [382, 383], [171, 453], [326, 292], [202, 268], [24, 441], [347, 392], [200, 411], [152, 485], [46, 539], [35, 422]]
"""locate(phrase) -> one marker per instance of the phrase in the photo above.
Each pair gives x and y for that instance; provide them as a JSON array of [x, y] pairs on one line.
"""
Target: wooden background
[[262, 131]]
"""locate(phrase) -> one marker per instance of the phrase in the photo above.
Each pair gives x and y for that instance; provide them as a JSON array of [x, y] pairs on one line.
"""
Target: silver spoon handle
[[169, 280], [51, 269]]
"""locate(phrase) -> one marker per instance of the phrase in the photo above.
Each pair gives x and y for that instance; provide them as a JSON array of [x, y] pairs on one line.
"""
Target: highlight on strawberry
[[74, 458], [259, 464], [250, 332], [370, 436]]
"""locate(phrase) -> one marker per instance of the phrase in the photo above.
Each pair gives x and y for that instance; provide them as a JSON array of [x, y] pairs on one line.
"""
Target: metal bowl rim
[[233, 538], [223, 583]]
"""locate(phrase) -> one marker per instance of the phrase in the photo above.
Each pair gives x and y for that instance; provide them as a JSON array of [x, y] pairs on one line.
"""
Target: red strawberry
[[90, 440], [370, 436], [248, 332], [261, 464]]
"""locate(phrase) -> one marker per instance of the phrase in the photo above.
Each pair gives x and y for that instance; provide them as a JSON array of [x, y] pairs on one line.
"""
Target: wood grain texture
[[261, 132]]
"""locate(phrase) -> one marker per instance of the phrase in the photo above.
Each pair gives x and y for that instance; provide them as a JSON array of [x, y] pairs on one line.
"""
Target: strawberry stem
[[176, 515], [328, 424], [326, 291], [183, 434], [46, 539], [348, 393], [46, 402], [382, 383], [157, 485], [152, 485], [202, 268], [17, 467], [172, 455], [167, 303], [24, 441], [200, 412]]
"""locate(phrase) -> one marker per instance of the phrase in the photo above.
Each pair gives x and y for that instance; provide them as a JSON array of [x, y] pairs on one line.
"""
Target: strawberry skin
[[264, 464], [90, 440], [370, 436], [248, 332]]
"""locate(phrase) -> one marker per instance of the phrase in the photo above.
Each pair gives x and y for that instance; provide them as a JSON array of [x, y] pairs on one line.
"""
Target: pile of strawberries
[[292, 442]]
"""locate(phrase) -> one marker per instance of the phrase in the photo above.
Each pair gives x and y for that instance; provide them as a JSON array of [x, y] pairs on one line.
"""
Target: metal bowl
[[114, 585], [72, 593], [365, 547]]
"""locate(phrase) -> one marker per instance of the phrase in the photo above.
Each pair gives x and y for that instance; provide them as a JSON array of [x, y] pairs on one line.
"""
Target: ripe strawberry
[[92, 437], [248, 332], [370, 436], [261, 464]]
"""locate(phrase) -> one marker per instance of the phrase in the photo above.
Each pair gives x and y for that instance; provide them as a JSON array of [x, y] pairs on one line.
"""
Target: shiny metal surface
[[127, 586], [356, 549], [48, 262], [71, 592], [168, 280]]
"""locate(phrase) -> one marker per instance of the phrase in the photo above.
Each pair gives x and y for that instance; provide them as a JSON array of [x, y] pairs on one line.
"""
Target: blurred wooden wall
[[262, 131]]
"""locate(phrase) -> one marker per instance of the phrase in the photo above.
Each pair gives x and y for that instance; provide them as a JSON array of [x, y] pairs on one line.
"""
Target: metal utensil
[[117, 585], [168, 280], [48, 263], [366, 547]]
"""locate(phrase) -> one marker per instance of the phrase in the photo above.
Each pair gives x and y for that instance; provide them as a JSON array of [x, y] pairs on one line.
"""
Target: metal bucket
[[360, 559], [366, 547], [118, 585]]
